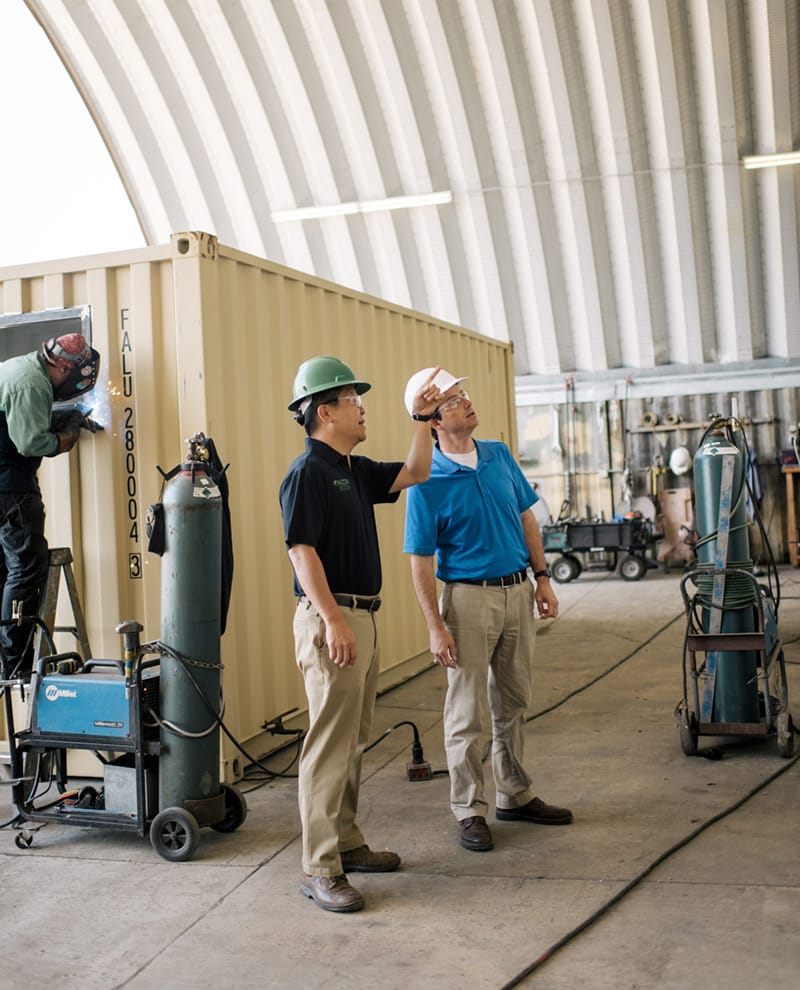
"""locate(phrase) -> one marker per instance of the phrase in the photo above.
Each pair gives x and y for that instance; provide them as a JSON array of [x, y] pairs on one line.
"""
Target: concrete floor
[[97, 910]]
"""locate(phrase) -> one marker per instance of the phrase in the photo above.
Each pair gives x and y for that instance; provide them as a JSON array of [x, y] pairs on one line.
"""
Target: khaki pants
[[489, 692], [341, 703]]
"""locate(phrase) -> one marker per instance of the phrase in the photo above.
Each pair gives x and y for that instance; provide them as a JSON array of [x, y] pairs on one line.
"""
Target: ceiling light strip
[[768, 161], [362, 206]]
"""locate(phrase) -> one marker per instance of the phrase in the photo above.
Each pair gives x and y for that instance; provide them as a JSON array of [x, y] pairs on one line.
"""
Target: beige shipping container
[[196, 336]]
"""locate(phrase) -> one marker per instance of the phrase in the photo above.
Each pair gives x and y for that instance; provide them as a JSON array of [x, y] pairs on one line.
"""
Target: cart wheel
[[87, 797], [632, 568], [23, 840], [235, 810], [688, 731], [785, 732], [175, 834], [565, 569]]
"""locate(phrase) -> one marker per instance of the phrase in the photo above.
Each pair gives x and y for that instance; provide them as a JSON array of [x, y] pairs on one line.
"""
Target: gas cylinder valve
[[198, 449]]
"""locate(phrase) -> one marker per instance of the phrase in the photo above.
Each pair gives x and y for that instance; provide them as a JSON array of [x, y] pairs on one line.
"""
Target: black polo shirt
[[327, 504]]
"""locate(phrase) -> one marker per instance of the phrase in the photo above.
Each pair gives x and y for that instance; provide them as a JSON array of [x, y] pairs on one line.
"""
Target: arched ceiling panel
[[566, 174]]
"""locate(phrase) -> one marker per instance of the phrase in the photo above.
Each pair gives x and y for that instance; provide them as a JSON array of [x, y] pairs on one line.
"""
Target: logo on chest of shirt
[[342, 485]]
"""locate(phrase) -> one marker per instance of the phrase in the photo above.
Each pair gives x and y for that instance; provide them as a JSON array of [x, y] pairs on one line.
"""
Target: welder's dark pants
[[23, 568]]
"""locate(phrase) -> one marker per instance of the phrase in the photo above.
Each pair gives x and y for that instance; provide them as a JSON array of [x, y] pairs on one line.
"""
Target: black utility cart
[[598, 545]]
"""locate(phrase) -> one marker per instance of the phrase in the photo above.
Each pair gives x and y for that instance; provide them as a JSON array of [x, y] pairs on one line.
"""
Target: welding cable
[[611, 669], [612, 901], [737, 436], [161, 648], [18, 820]]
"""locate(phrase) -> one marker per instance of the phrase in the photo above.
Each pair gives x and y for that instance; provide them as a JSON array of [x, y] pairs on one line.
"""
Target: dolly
[[740, 685]]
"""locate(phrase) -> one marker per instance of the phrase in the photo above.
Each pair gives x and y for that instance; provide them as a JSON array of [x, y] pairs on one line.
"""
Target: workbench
[[790, 471]]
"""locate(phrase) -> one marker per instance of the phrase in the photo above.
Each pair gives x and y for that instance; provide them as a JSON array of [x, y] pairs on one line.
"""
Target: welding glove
[[67, 420], [66, 424]]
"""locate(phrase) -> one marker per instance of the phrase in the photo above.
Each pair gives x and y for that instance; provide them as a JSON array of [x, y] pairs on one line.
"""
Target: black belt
[[356, 601], [518, 577]]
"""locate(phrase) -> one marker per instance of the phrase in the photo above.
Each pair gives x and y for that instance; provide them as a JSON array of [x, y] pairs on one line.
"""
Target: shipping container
[[196, 336]]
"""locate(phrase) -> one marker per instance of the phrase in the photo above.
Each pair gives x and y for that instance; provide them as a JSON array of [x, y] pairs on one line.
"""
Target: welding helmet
[[322, 374], [71, 352]]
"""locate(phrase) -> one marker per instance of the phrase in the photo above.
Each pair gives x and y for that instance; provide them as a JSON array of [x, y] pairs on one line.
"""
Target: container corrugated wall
[[197, 336]]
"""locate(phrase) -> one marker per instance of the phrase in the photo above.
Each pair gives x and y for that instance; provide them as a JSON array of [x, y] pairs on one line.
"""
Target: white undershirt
[[469, 460]]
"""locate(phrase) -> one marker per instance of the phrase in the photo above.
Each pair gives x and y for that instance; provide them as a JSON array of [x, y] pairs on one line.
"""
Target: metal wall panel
[[197, 336]]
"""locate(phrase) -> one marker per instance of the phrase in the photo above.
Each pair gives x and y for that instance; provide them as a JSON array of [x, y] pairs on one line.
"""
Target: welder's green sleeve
[[26, 397]]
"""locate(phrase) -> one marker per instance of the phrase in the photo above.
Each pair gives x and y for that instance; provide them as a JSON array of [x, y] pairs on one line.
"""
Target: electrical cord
[[612, 901], [605, 673]]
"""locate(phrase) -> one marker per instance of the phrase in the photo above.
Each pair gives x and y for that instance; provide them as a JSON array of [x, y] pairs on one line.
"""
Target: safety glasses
[[455, 402]]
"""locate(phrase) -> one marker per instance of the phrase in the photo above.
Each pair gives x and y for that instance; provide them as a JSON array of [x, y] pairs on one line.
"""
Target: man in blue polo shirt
[[474, 515], [327, 500]]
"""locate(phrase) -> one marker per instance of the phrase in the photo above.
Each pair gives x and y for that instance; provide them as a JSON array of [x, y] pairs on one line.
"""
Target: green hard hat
[[320, 374]]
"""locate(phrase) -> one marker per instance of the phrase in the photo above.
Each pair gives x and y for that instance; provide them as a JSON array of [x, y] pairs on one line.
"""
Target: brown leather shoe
[[536, 811], [475, 834], [366, 860], [332, 893]]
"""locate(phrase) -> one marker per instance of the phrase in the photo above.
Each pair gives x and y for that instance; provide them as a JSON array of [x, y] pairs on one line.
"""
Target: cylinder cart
[[738, 685]]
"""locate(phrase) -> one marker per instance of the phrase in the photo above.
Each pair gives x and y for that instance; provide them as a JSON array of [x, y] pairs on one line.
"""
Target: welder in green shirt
[[63, 368]]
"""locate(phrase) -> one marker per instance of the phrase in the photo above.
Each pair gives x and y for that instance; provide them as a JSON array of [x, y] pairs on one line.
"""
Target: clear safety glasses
[[455, 402], [355, 399]]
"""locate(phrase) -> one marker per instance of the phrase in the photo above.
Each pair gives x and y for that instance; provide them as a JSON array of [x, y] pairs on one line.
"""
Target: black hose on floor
[[611, 669], [596, 915]]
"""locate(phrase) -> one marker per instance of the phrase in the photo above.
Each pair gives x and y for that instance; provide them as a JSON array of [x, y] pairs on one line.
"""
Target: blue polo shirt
[[327, 503], [471, 518]]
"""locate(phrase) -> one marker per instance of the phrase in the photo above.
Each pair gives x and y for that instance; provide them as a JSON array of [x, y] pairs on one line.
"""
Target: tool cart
[[592, 544]]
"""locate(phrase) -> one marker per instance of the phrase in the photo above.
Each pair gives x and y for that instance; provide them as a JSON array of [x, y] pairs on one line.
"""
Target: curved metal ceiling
[[589, 153]]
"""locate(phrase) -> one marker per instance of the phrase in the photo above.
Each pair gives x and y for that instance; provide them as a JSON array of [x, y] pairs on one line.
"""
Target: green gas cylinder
[[736, 690], [190, 630]]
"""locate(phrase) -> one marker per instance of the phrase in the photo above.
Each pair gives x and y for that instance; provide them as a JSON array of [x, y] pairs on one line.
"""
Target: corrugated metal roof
[[598, 213]]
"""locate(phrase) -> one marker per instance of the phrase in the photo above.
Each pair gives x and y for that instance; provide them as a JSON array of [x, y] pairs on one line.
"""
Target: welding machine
[[92, 702]]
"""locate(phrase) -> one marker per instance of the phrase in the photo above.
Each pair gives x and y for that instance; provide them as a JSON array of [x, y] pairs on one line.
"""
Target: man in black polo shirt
[[327, 500]]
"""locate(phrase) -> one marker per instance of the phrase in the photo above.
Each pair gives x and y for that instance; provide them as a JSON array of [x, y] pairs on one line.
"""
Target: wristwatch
[[423, 417], [540, 574]]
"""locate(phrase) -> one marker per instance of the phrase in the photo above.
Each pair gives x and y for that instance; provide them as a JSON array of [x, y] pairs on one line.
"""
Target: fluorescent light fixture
[[766, 161], [362, 206]]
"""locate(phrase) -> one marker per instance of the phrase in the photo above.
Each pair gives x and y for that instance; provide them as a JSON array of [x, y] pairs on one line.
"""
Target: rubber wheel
[[785, 732], [688, 731], [235, 810], [87, 797], [23, 840], [632, 568], [175, 834], [564, 570]]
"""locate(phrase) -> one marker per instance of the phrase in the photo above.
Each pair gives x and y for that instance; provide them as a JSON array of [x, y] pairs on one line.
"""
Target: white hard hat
[[680, 461], [443, 381]]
